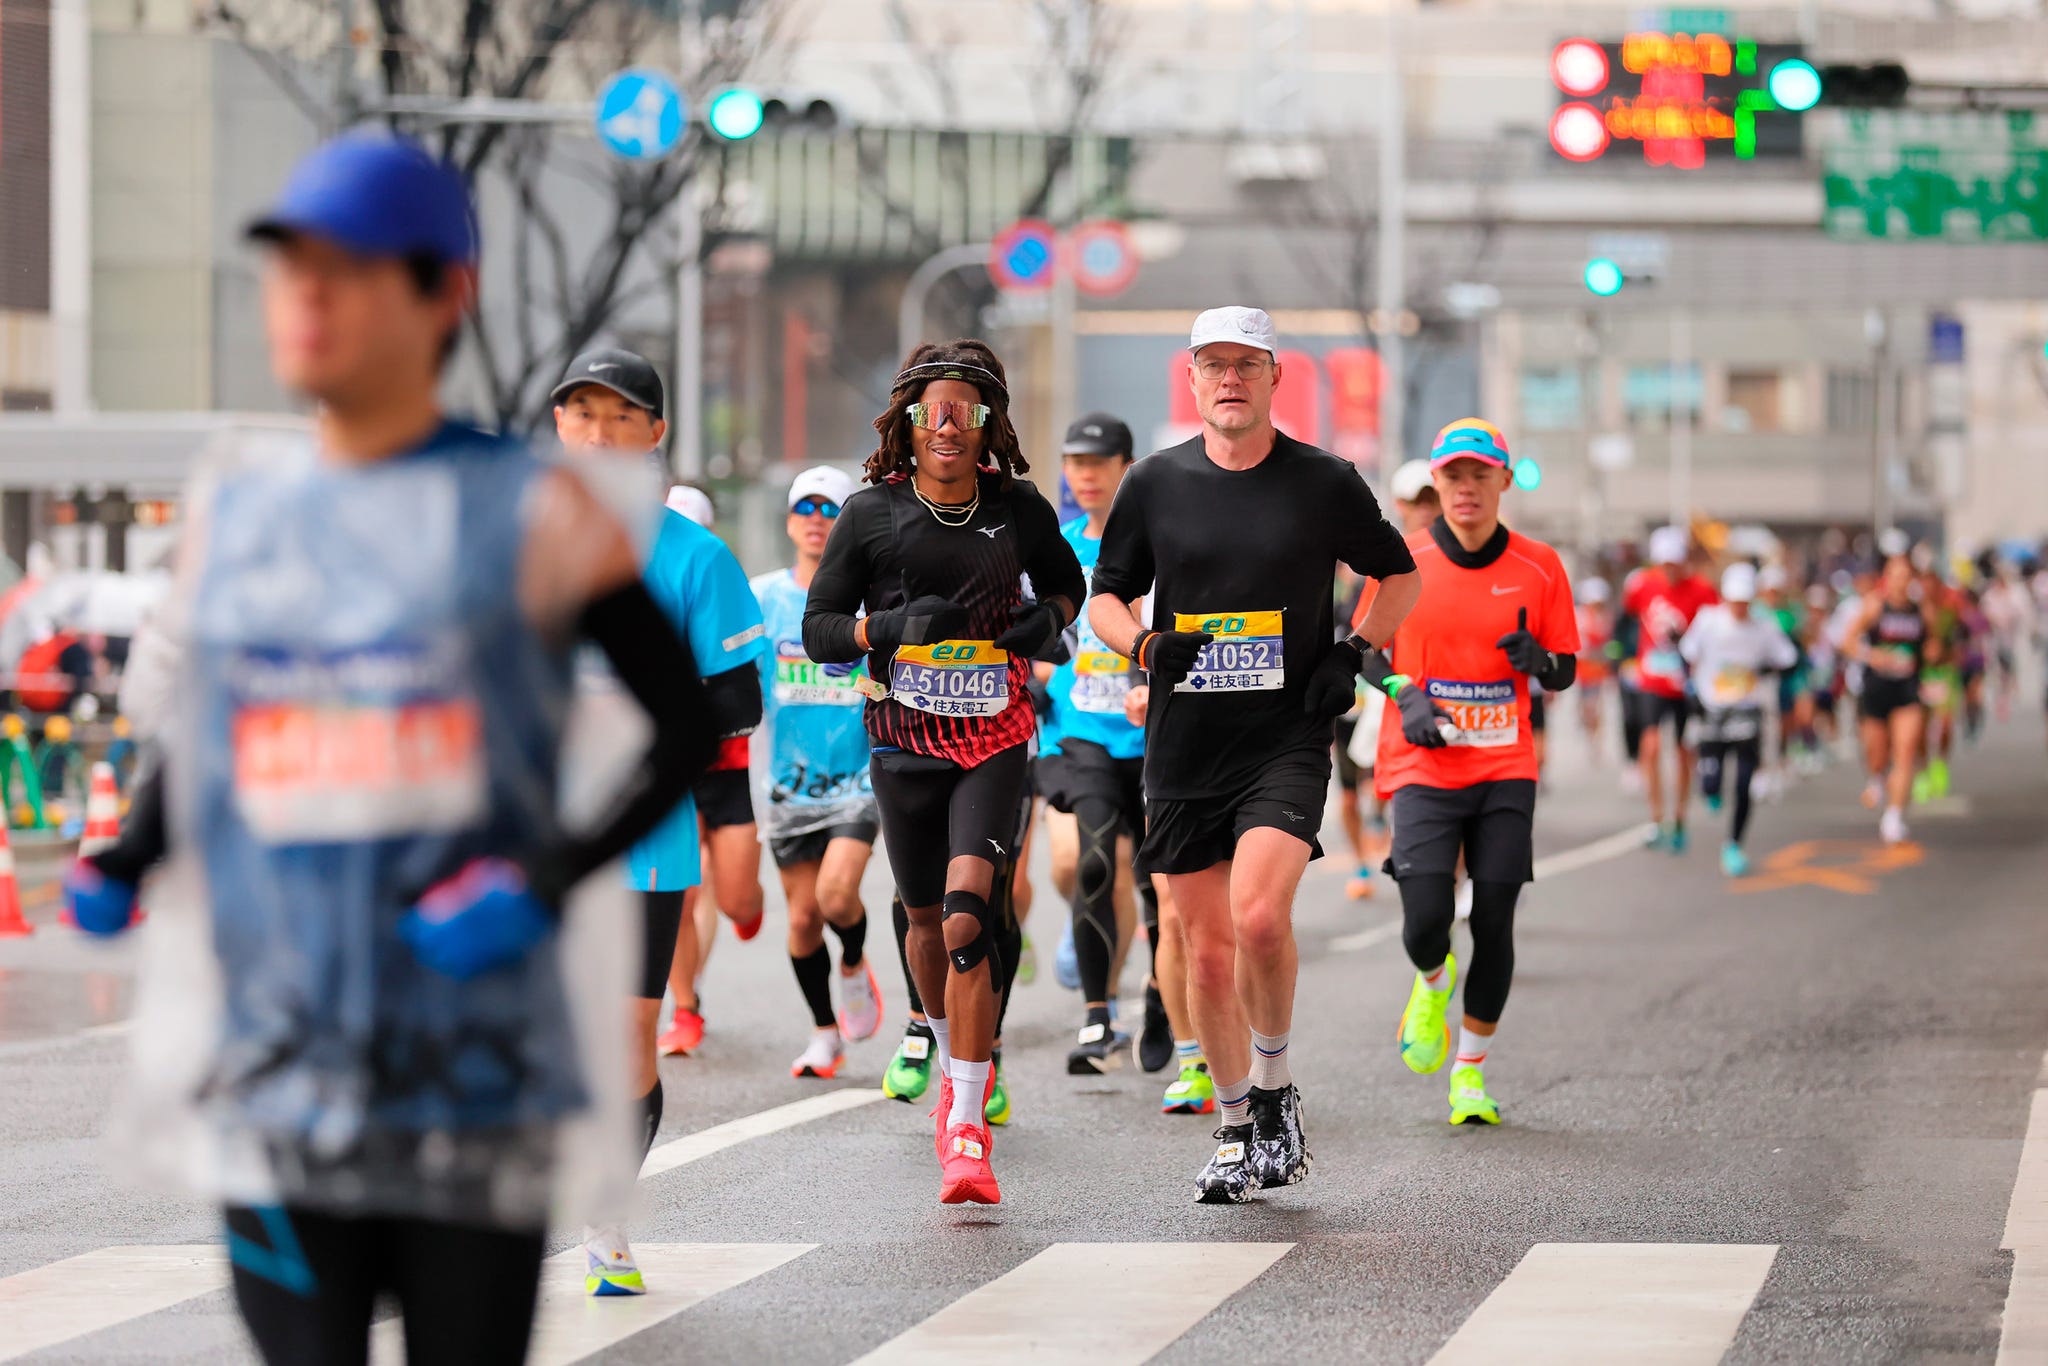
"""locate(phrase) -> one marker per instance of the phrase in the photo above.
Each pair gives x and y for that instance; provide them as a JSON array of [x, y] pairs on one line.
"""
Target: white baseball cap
[[1409, 479], [821, 481], [1244, 326], [1738, 582], [1668, 545], [694, 504], [1594, 591]]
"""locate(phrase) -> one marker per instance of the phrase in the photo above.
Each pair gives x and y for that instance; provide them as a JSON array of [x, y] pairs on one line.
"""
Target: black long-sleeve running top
[[947, 700]]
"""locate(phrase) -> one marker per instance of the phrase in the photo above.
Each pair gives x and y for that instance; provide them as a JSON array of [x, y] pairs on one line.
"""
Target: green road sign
[[1959, 177]]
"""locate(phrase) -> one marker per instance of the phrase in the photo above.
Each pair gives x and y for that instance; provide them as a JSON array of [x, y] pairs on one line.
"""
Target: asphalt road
[[1815, 1085]]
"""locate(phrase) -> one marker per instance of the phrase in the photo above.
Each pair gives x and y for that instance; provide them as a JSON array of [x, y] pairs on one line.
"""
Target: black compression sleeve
[[655, 666], [1563, 672], [840, 585], [734, 698], [143, 835]]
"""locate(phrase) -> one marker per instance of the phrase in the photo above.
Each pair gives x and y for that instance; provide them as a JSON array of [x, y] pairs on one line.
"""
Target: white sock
[[942, 1037], [970, 1079], [1472, 1047], [1440, 980], [1269, 1061], [1187, 1050], [1235, 1102]]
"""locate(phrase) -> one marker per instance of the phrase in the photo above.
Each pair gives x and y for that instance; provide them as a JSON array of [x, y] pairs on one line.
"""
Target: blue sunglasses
[[804, 507]]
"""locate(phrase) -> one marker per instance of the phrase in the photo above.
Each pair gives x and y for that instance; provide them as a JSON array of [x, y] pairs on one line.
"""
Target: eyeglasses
[[966, 417], [806, 507], [1250, 368]]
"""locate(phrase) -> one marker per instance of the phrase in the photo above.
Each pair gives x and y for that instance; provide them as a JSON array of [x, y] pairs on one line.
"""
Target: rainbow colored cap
[[1469, 438]]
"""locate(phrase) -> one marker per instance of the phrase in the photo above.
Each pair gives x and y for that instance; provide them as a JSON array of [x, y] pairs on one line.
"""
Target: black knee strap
[[971, 955]]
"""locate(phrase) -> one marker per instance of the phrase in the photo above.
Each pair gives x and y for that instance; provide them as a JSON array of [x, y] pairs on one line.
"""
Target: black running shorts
[[809, 847], [1492, 823], [1081, 769], [1883, 696], [723, 798], [1190, 834], [1653, 710], [934, 811]]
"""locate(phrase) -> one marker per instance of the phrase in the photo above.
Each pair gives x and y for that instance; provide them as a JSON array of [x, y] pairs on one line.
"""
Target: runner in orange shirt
[[1496, 611]]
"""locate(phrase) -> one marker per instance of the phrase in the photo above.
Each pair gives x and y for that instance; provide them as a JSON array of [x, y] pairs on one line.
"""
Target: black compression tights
[[1428, 906], [1714, 775], [1009, 947], [1097, 822]]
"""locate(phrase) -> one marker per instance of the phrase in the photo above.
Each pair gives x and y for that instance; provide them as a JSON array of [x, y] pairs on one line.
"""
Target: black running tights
[[1715, 761], [1428, 906], [307, 1283], [1098, 820]]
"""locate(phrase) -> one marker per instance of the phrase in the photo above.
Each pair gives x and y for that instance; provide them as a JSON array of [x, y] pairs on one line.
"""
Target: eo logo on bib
[[1245, 656], [952, 678]]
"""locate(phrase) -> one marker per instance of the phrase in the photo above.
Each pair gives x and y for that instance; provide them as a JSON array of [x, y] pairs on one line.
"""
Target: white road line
[[29, 1046], [569, 1325], [1586, 855], [1139, 1298], [97, 1290], [690, 1147], [1592, 1304], [2023, 1334]]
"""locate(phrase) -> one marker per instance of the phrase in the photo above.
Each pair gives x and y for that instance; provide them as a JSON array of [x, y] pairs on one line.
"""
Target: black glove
[[1420, 715], [1333, 687], [1168, 655], [921, 621], [1522, 650], [1034, 627]]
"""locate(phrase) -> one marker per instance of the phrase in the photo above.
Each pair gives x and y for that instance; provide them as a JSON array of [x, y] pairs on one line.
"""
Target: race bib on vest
[[1483, 715], [1730, 684], [1102, 678], [1247, 654], [952, 678], [801, 683]]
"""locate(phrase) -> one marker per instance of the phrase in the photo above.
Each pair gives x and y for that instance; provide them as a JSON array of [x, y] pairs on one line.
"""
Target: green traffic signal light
[[1528, 474], [1795, 85], [735, 113], [1603, 277]]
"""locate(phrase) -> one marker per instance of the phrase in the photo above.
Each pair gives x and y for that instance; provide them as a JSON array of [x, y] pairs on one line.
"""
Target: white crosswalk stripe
[[1140, 1297], [569, 1325], [97, 1290], [2023, 1333], [1614, 1304]]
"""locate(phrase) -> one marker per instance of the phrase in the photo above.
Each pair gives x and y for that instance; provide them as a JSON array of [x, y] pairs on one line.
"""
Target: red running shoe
[[753, 927], [965, 1177], [685, 1033]]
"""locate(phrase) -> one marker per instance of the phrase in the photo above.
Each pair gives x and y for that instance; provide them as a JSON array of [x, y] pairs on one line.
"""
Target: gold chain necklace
[[950, 514]]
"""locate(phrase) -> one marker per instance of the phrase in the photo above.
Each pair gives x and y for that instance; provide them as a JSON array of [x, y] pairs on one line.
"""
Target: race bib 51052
[[952, 678], [1247, 654], [1484, 714]]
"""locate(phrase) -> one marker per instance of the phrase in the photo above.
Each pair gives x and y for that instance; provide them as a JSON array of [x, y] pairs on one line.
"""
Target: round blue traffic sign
[[640, 114], [1105, 262], [1021, 257]]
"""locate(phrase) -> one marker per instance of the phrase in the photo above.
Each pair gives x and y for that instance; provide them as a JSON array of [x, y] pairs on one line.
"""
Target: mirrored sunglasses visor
[[932, 416]]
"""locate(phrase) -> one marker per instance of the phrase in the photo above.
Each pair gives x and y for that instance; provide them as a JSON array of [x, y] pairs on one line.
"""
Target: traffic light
[[1604, 277], [1878, 85], [738, 112], [1528, 474], [1795, 85]]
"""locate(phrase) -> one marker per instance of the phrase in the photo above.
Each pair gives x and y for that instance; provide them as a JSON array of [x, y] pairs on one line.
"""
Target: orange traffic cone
[[13, 924], [102, 812]]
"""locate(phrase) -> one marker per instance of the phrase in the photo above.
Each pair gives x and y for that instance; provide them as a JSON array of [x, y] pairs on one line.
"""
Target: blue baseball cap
[[377, 195]]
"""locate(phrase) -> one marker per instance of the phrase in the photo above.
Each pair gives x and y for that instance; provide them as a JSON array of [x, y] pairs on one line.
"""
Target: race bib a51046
[[1484, 715], [1247, 654], [952, 678]]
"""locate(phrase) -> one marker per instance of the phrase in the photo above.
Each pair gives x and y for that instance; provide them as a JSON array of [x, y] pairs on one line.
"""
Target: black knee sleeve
[[971, 955], [1428, 905], [1492, 969]]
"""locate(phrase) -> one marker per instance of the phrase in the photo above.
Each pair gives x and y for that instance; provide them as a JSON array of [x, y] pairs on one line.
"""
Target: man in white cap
[[1731, 651], [1415, 500], [1235, 536], [1664, 599], [820, 819]]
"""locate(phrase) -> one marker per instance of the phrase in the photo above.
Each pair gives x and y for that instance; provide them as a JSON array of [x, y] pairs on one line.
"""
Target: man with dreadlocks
[[935, 553]]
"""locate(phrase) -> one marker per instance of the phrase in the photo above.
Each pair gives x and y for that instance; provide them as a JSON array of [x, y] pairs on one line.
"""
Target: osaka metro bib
[[952, 678], [1248, 653], [1483, 715]]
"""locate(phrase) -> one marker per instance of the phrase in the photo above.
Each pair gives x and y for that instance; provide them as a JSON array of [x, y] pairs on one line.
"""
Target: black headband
[[946, 369]]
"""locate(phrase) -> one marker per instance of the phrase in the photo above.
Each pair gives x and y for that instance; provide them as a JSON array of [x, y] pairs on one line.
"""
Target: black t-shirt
[[887, 548], [1251, 556]]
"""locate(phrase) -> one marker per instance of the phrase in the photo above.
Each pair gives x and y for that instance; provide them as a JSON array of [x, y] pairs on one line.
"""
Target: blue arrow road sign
[[640, 114]]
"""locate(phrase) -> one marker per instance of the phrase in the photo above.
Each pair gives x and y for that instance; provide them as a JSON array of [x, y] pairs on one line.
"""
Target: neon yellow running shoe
[[1937, 777], [1424, 1036], [608, 1265], [997, 1110], [1192, 1093], [1469, 1102]]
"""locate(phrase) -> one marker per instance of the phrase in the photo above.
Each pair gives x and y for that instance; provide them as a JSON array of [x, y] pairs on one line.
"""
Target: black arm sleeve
[[655, 666], [1054, 569], [1366, 540], [143, 835], [1563, 672], [841, 584], [734, 698]]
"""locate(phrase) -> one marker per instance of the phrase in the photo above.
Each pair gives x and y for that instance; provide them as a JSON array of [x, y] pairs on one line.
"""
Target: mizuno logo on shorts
[[1293, 815], [997, 847]]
